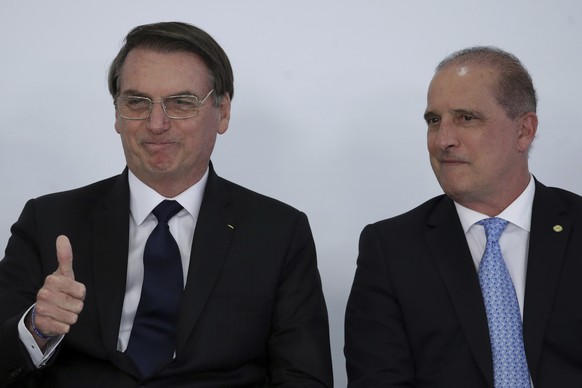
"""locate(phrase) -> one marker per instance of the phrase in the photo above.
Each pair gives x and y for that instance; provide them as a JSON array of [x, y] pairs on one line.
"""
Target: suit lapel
[[547, 247], [447, 244], [214, 230], [110, 247]]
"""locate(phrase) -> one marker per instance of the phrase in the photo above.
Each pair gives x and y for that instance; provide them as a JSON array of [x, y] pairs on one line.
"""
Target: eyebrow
[[471, 112], [456, 112], [428, 114], [137, 93]]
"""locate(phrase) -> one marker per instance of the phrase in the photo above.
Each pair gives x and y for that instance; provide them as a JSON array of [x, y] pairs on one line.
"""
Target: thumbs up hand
[[60, 300]]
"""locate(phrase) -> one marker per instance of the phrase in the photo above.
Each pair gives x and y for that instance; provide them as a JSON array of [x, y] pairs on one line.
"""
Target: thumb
[[65, 257]]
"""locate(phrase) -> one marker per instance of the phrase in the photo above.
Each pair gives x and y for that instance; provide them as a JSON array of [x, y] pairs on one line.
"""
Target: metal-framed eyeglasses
[[174, 107]]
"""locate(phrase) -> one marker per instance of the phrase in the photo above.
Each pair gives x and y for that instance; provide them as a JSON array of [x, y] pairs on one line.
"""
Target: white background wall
[[328, 103]]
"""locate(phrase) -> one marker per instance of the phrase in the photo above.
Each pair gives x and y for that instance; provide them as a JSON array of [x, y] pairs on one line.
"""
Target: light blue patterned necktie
[[505, 327]]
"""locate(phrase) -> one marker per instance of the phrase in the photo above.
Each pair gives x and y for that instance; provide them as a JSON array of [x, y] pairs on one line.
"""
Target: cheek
[[431, 145], [435, 167], [431, 136], [128, 130]]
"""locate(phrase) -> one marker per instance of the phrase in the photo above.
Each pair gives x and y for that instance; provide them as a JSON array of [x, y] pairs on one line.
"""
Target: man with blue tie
[[166, 275], [479, 287]]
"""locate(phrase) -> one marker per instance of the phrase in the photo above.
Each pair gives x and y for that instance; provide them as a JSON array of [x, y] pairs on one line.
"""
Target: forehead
[[152, 71], [460, 85]]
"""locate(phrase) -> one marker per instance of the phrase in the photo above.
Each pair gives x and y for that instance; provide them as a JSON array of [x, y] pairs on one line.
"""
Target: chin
[[453, 191]]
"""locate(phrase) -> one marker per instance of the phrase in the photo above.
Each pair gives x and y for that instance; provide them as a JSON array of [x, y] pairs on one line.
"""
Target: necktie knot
[[493, 228], [166, 210]]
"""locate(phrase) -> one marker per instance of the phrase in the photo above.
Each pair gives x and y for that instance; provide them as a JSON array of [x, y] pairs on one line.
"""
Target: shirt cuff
[[38, 358]]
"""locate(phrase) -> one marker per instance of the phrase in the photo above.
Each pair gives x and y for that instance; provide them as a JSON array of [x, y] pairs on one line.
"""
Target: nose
[[446, 135], [158, 121]]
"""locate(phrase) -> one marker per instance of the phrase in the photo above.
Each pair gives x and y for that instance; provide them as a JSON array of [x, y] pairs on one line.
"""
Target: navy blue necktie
[[153, 336], [510, 368]]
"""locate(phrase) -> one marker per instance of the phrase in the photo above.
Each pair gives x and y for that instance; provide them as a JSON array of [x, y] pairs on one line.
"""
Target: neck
[[495, 203], [170, 186]]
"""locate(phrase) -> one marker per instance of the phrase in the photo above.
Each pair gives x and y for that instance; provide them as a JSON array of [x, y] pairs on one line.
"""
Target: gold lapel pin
[[558, 228], [232, 227]]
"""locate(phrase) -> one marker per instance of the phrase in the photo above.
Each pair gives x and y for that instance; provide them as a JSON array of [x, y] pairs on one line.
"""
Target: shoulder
[[570, 198], [557, 198], [255, 215], [81, 199], [90, 190], [413, 219], [246, 201]]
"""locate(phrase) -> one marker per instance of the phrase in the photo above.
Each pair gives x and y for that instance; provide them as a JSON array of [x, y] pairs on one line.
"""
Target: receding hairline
[[514, 89], [487, 56]]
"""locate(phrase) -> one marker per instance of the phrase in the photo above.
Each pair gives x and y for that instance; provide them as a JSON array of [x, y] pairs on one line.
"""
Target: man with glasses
[[166, 275]]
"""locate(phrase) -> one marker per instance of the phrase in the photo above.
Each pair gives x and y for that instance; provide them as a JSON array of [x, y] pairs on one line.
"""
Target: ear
[[117, 122], [527, 132], [224, 112]]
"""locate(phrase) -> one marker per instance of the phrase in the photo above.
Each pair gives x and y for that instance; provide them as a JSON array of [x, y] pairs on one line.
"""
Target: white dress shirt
[[514, 240]]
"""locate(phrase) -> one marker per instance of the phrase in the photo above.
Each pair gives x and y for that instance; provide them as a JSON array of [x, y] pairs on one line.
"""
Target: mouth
[[447, 159], [158, 142], [451, 161], [157, 145]]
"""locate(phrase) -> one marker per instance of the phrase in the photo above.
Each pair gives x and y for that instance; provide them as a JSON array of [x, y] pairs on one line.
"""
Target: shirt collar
[[517, 213], [143, 199]]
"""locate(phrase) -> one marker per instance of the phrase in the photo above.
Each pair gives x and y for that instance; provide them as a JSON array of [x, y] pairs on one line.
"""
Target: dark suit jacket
[[252, 313], [416, 318]]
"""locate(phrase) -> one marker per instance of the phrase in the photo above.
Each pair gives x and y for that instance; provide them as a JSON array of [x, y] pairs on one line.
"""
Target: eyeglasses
[[175, 107]]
